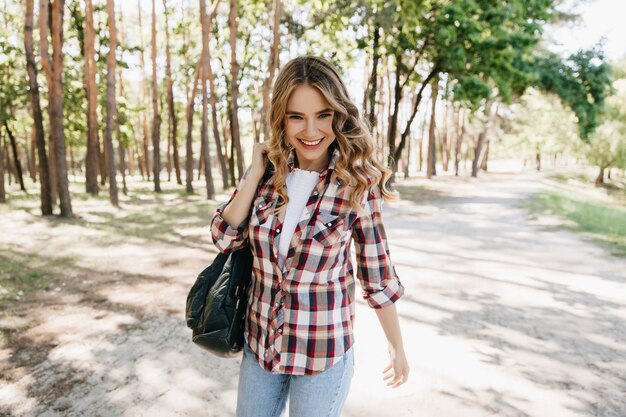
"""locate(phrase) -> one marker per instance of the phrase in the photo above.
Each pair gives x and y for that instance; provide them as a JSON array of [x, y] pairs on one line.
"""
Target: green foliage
[[582, 81]]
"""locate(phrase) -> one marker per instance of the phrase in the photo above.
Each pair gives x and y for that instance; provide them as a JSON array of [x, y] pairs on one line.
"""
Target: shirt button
[[314, 192], [329, 224], [280, 331], [278, 230]]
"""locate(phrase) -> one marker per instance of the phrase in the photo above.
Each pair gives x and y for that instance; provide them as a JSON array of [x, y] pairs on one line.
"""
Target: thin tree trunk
[[118, 131], [374, 79], [213, 101], [431, 162], [272, 65], [93, 142], [173, 121], [44, 30], [460, 132], [32, 159], [234, 88], [3, 197], [538, 162], [188, 139], [156, 117], [485, 157], [481, 140], [205, 113], [16, 159], [393, 121], [55, 97], [111, 106], [145, 159], [33, 90]]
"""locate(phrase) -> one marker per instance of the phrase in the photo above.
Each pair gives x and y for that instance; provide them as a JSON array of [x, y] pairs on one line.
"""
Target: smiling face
[[309, 127]]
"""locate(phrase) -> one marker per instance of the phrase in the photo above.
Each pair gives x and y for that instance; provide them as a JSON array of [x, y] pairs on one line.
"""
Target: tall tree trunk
[[3, 197], [538, 163], [485, 157], [54, 71], [188, 139], [205, 113], [145, 160], [393, 121], [93, 142], [213, 101], [272, 65], [156, 117], [431, 162], [445, 151], [118, 132], [374, 78], [44, 30], [481, 139], [460, 132], [234, 87], [111, 106], [16, 159], [33, 90], [173, 120]]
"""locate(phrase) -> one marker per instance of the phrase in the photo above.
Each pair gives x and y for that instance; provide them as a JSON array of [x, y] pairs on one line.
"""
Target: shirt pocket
[[329, 229], [261, 212]]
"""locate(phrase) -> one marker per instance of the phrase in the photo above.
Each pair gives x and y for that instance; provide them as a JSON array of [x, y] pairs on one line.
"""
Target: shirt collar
[[331, 165]]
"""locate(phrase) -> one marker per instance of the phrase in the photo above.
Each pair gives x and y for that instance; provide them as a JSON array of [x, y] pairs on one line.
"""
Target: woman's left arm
[[398, 368]]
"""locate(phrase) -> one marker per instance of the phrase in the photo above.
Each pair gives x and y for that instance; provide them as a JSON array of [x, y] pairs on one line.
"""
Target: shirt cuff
[[386, 296], [223, 234]]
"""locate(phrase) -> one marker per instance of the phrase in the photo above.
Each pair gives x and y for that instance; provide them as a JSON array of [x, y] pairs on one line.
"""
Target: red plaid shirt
[[300, 317]]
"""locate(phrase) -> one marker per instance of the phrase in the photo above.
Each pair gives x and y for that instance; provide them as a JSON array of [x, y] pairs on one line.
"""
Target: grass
[[602, 221]]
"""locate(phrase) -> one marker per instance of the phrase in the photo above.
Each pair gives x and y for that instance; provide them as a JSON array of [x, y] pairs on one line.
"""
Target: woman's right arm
[[229, 225]]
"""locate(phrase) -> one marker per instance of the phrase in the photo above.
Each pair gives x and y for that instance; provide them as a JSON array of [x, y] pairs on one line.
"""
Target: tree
[[156, 117], [54, 75], [205, 69], [171, 112], [93, 142], [234, 87], [110, 103], [33, 89]]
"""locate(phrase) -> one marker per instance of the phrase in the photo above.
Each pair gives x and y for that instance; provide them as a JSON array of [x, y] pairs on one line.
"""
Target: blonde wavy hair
[[356, 164]]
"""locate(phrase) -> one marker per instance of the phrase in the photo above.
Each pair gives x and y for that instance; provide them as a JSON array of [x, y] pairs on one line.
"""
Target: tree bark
[[44, 30], [111, 106], [272, 65], [156, 117], [33, 90], [3, 197], [431, 162], [460, 132], [146, 165], [393, 121], [93, 142], [481, 139], [206, 154], [173, 120], [213, 101], [374, 79], [16, 159], [54, 74], [234, 87], [118, 132], [188, 139], [600, 178]]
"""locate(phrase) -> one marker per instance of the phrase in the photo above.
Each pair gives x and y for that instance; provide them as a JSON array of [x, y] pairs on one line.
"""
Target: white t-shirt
[[300, 183]]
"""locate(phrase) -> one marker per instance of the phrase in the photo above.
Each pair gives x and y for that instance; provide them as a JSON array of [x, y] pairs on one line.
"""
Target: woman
[[326, 191]]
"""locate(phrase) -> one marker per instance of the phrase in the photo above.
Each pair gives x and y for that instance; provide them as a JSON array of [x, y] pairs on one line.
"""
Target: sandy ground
[[501, 317]]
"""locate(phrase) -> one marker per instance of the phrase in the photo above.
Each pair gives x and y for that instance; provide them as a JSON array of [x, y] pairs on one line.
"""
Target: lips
[[311, 144]]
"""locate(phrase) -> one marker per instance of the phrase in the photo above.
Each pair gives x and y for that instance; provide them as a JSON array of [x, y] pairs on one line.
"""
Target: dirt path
[[500, 318]]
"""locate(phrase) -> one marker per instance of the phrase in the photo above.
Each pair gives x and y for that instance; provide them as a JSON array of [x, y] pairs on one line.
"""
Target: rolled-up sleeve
[[375, 272], [225, 237]]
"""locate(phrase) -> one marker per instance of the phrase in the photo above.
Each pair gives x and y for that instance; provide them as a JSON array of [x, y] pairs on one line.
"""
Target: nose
[[311, 129]]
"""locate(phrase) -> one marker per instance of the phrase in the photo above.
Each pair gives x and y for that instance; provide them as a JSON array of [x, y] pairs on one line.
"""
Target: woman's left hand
[[398, 368]]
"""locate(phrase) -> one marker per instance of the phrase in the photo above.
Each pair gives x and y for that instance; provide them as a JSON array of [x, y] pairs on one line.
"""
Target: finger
[[389, 375], [387, 368]]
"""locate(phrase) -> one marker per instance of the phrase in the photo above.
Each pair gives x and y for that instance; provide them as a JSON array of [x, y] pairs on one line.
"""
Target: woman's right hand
[[259, 159]]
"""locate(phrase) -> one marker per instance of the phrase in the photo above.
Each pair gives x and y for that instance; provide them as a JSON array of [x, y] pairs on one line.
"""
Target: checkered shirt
[[300, 318]]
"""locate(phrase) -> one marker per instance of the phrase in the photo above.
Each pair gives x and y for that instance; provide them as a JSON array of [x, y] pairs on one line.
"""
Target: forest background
[[102, 91]]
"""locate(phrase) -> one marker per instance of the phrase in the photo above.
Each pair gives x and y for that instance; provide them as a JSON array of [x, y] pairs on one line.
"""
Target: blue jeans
[[263, 394]]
